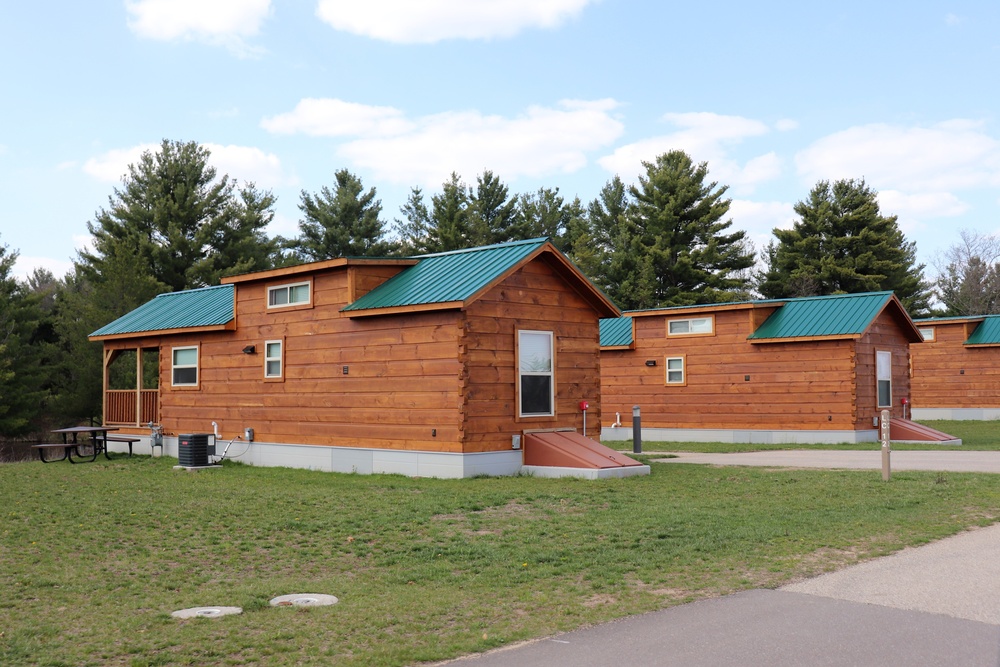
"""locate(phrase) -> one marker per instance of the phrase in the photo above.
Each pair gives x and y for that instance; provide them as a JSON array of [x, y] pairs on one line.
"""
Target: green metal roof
[[447, 277], [616, 331], [205, 307], [987, 333], [820, 316]]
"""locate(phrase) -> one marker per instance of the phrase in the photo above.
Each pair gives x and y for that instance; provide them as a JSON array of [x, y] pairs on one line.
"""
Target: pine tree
[[343, 222], [492, 211], [843, 244]]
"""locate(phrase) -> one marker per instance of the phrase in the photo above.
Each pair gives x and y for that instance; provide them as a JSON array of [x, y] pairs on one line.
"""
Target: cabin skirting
[[958, 414], [749, 436], [354, 460]]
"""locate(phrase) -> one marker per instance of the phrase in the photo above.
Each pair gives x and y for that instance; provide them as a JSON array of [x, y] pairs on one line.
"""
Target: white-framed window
[[883, 375], [676, 373], [691, 326], [184, 366], [274, 360], [927, 333], [293, 294], [535, 374]]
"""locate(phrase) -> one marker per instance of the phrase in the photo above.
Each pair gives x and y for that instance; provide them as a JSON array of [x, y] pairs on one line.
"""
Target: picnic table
[[71, 446]]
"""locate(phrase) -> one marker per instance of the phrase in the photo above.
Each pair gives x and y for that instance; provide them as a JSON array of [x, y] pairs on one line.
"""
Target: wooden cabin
[[807, 370], [432, 366], [956, 370]]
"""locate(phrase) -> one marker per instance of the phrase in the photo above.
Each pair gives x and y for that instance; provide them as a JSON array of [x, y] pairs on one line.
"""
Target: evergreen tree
[[670, 247], [450, 226], [843, 244], [414, 231], [492, 211], [174, 222], [22, 364], [545, 213], [969, 281], [343, 222], [589, 237]]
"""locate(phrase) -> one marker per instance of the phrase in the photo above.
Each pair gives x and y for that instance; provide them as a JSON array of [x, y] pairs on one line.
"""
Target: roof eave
[[228, 326]]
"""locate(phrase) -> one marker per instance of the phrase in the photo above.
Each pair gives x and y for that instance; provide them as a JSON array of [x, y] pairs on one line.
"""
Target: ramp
[[904, 430], [569, 454]]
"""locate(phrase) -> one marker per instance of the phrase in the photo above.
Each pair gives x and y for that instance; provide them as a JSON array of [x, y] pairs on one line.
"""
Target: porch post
[[138, 385]]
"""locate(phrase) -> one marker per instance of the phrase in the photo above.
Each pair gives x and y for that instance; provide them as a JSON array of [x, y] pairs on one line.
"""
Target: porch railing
[[120, 406]]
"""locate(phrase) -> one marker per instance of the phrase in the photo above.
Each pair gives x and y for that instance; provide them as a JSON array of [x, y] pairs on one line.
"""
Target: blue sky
[[775, 96]]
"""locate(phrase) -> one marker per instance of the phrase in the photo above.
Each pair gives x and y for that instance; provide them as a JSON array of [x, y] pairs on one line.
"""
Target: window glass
[[185, 366], [927, 333], [695, 325], [535, 377], [883, 370], [288, 295], [272, 359], [675, 370]]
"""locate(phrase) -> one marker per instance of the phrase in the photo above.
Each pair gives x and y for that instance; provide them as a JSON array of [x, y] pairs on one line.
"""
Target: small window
[[883, 370], [535, 373], [693, 326], [281, 296], [185, 367], [927, 333], [273, 359], [675, 371]]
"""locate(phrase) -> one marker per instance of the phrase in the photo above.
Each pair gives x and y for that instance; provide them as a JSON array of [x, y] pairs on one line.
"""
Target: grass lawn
[[975, 435], [94, 557]]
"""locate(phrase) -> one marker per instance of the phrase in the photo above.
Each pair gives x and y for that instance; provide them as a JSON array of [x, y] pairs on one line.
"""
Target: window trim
[[288, 287], [280, 342], [927, 339], [667, 369], [879, 379], [551, 374], [174, 367], [690, 320]]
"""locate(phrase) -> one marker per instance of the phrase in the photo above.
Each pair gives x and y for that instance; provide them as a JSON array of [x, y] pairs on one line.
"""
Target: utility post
[[636, 431], [884, 432]]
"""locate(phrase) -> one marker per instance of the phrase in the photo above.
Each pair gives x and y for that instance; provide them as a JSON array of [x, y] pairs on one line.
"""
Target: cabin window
[[184, 367], [676, 374], [273, 359], [689, 327], [281, 296], [883, 370], [535, 373], [927, 333]]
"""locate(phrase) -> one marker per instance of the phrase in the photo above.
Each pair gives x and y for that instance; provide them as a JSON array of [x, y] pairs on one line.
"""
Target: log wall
[[947, 374]]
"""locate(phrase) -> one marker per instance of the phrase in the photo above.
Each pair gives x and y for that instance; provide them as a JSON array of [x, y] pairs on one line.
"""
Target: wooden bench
[[129, 439], [68, 449]]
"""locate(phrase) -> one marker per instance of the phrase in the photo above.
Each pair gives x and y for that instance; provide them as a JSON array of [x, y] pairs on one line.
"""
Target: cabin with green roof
[[440, 365], [956, 371], [805, 370]]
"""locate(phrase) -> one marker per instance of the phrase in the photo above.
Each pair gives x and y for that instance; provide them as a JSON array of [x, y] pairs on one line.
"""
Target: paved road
[[933, 605], [951, 461]]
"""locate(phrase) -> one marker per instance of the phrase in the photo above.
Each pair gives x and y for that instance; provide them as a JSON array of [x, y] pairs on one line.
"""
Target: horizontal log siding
[[807, 385], [534, 298], [938, 381], [403, 376], [884, 335]]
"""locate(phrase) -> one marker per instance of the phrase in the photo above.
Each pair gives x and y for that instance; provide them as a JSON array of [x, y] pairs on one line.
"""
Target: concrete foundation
[[651, 434], [958, 414]]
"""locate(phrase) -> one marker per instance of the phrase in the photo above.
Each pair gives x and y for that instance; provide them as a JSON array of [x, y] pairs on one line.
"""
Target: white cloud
[[758, 219], [952, 155], [922, 205], [954, 19], [786, 125], [218, 22], [706, 137], [25, 266], [429, 21], [113, 165], [244, 163], [542, 140], [336, 118]]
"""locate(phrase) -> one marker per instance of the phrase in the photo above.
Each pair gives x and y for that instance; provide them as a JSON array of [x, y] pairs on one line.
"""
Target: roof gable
[[616, 332], [455, 279], [207, 307], [831, 316], [987, 333]]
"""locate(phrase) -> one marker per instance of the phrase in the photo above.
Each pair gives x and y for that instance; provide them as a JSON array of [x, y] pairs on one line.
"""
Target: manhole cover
[[206, 612], [304, 600]]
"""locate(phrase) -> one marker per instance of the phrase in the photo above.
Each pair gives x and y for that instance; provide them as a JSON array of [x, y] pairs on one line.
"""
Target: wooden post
[[886, 471], [138, 386]]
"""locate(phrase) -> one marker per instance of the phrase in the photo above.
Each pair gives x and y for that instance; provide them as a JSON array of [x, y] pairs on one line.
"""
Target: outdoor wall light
[[250, 349], [651, 362]]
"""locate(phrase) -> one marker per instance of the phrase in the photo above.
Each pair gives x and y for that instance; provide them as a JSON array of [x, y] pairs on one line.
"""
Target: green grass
[[94, 557], [975, 435]]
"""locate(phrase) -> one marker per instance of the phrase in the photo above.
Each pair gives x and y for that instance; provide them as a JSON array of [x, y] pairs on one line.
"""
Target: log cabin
[[440, 365], [956, 370], [804, 370]]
